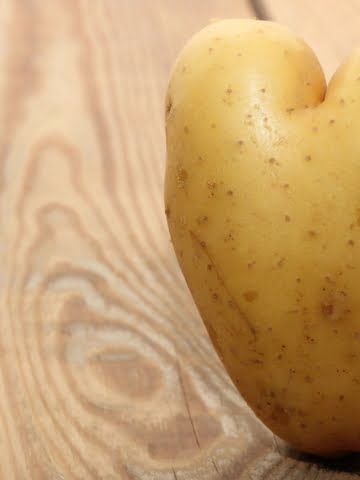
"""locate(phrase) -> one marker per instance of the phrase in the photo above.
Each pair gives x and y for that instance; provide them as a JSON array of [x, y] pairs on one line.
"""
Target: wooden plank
[[106, 370]]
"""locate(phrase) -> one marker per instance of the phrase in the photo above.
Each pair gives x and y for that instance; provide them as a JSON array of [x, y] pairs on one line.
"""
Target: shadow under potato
[[344, 463]]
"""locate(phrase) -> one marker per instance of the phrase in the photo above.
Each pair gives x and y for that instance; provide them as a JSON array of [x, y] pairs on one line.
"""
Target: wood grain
[[106, 370]]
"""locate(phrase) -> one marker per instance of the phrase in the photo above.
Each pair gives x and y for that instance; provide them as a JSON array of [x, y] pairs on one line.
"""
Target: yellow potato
[[262, 195]]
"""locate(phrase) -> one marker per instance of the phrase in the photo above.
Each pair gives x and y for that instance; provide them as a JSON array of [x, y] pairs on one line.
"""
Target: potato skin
[[262, 198]]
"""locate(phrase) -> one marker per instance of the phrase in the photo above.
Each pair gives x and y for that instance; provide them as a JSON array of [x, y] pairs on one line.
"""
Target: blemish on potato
[[215, 296], [202, 219], [351, 243], [203, 244], [308, 158], [209, 267], [229, 91], [280, 262], [251, 264], [280, 415], [232, 304], [290, 110], [315, 129], [263, 90], [167, 211], [230, 193], [312, 233], [210, 50], [286, 186], [213, 125], [240, 143], [287, 218], [182, 176], [211, 186], [331, 121], [342, 101], [250, 295], [308, 379], [228, 237], [327, 309], [341, 397], [168, 106]]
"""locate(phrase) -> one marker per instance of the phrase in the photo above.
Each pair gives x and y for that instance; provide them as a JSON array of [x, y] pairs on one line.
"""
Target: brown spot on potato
[[251, 264], [213, 125], [308, 158], [331, 121], [263, 90], [240, 143], [232, 304], [215, 296], [168, 107], [341, 398], [229, 91], [202, 219], [203, 244], [182, 176], [286, 186], [211, 184], [287, 218], [290, 110], [186, 129], [327, 309], [298, 280], [280, 262], [167, 211], [230, 193], [308, 379], [280, 415], [210, 49], [312, 233], [315, 129], [342, 101], [250, 295], [351, 243]]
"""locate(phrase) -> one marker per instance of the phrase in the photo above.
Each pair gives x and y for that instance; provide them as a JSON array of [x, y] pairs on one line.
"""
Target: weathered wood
[[106, 370]]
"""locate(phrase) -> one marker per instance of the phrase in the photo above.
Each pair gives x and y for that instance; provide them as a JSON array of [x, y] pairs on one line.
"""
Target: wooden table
[[106, 370]]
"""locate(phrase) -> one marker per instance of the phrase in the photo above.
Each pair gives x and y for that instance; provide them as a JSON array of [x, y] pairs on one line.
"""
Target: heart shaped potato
[[262, 195]]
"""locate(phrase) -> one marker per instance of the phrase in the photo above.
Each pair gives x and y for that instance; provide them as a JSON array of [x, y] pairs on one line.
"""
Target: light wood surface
[[106, 370]]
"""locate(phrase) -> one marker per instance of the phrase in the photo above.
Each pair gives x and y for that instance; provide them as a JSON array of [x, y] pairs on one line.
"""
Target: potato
[[262, 195]]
